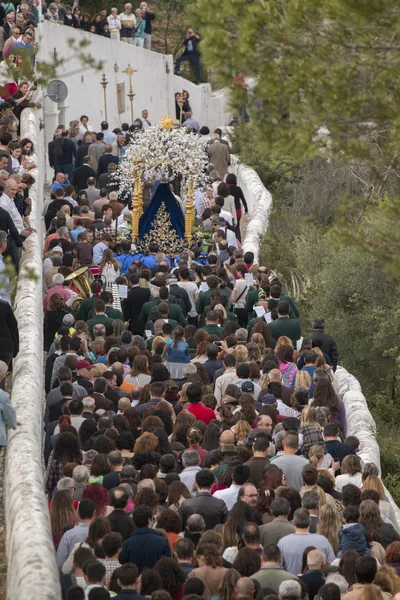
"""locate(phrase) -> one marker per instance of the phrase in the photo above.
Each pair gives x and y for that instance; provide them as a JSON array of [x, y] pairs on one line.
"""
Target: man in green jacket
[[204, 298], [211, 325], [284, 325], [100, 316], [271, 574]]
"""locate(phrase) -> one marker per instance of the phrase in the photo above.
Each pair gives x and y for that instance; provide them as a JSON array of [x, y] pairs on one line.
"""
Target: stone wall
[[32, 570], [359, 421], [259, 202]]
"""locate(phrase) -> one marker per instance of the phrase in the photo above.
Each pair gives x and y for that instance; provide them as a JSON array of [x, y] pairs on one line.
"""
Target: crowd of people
[[194, 443], [195, 447], [130, 26]]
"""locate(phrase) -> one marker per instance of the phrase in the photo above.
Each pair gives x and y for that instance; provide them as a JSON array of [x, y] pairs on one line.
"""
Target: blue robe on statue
[[162, 196]]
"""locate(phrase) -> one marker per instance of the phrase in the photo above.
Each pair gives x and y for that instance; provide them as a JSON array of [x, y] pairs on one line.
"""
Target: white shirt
[[229, 496], [9, 205], [98, 251], [5, 286], [224, 214], [192, 291], [188, 476]]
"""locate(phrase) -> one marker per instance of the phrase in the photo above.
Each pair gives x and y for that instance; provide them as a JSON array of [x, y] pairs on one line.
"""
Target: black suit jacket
[[314, 580], [121, 523], [81, 175], [104, 161], [80, 155], [7, 225], [213, 510], [132, 307], [328, 345], [9, 338]]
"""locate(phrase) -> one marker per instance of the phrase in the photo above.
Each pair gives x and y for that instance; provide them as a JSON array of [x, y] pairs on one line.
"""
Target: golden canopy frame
[[137, 204]]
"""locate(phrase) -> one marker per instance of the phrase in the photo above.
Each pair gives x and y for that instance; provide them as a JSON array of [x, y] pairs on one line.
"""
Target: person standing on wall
[[148, 17], [191, 53], [128, 23]]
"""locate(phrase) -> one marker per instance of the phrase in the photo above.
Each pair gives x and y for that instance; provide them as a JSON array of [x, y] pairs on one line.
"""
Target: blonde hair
[[328, 474], [98, 370], [157, 340], [283, 341], [371, 592], [258, 339], [241, 353], [143, 283], [316, 455], [242, 430], [309, 416], [329, 524], [374, 483], [222, 309], [303, 379]]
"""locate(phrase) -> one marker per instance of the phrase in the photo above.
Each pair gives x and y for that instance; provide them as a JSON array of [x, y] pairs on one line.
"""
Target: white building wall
[[154, 84]]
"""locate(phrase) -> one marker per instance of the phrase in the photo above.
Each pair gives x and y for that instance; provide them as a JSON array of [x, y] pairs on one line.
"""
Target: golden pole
[[104, 84], [129, 71], [190, 213], [137, 208]]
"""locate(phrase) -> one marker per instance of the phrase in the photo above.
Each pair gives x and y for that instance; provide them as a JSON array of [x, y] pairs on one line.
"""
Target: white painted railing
[[32, 570], [259, 202]]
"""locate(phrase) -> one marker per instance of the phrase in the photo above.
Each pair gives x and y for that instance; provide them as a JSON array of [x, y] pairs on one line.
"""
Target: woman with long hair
[[239, 295], [351, 472], [172, 577], [201, 353], [373, 482], [319, 459], [27, 147], [177, 493], [347, 566], [273, 477], [62, 515], [377, 530], [140, 374], [387, 580], [133, 419], [392, 556], [325, 395], [287, 366], [109, 267], [227, 590], [239, 513], [66, 450], [98, 528], [100, 497], [210, 568], [262, 328], [329, 524], [53, 318]]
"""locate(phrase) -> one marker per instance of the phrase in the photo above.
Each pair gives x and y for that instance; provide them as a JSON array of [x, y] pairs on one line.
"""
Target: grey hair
[[301, 518], [215, 136], [311, 500], [242, 334], [338, 580], [280, 507], [99, 330], [65, 483], [315, 558], [3, 237], [370, 469], [139, 342], [190, 458], [3, 172], [189, 369], [279, 439], [3, 368], [290, 589], [80, 474], [88, 402], [146, 483], [63, 230], [195, 523], [57, 279]]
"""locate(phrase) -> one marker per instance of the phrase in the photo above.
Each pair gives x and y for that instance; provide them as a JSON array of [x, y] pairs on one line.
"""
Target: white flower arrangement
[[167, 152]]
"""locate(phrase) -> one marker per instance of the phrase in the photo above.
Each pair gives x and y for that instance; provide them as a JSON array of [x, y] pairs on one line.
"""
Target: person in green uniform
[[284, 325]]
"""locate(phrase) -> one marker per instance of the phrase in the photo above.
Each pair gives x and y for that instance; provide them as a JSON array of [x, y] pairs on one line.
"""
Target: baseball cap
[[83, 364], [69, 320], [268, 399], [58, 249], [229, 400], [247, 386]]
